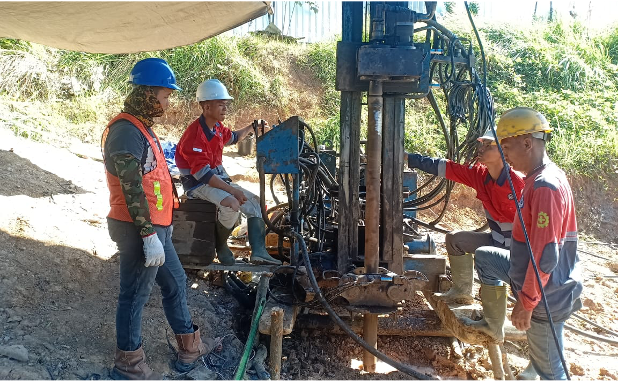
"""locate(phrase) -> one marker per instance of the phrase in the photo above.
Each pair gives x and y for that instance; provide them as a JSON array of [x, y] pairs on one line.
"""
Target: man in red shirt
[[488, 179], [199, 158], [548, 212]]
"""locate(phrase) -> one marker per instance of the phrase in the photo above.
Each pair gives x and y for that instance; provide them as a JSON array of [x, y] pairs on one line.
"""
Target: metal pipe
[[430, 6], [375, 104]]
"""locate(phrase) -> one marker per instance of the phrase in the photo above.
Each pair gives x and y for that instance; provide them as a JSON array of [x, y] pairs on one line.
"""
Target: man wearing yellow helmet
[[548, 214]]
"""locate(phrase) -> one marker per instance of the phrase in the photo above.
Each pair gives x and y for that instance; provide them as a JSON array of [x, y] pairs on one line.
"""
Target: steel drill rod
[[375, 104]]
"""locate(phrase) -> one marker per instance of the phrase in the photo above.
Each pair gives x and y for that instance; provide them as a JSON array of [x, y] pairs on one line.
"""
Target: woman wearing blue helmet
[[142, 199]]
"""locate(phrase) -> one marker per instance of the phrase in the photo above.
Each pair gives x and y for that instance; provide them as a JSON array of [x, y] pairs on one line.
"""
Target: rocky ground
[[59, 286]]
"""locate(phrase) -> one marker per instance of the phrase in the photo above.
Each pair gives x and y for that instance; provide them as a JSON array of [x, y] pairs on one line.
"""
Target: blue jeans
[[136, 282], [492, 265]]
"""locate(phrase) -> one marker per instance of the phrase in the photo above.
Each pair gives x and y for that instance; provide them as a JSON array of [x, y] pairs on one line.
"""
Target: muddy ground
[[58, 285]]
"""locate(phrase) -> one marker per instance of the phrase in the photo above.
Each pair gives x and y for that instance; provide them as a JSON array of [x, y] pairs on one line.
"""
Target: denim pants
[[492, 265], [462, 242], [136, 282]]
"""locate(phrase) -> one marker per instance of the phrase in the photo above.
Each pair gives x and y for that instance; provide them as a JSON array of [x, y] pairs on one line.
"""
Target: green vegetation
[[559, 68]]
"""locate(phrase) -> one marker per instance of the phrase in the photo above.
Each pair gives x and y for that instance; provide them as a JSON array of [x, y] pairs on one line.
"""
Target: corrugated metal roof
[[297, 19]]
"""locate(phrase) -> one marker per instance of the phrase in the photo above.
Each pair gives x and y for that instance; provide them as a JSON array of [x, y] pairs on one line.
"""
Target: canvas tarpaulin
[[123, 27]]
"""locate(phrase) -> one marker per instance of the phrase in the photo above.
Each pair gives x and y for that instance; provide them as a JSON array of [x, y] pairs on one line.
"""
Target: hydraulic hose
[[260, 168], [255, 323]]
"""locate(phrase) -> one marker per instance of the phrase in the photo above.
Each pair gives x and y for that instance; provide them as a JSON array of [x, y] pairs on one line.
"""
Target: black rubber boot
[[493, 299], [225, 255], [462, 271], [256, 230]]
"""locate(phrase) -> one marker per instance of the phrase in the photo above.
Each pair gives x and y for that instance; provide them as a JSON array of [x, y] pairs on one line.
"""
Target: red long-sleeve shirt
[[548, 212], [199, 153]]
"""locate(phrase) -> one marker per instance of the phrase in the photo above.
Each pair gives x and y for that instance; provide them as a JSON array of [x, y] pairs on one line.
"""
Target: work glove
[[153, 251]]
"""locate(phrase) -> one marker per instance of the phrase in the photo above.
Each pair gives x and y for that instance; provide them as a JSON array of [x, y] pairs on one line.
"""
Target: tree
[[474, 8], [450, 7]]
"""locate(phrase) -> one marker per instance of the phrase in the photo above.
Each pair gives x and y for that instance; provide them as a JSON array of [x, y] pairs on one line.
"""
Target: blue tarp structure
[[169, 151]]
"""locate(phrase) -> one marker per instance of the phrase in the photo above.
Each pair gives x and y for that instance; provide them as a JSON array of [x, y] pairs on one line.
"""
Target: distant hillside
[[559, 68]]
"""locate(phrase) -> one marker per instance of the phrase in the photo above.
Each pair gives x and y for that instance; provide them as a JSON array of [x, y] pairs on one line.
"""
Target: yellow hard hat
[[521, 121]]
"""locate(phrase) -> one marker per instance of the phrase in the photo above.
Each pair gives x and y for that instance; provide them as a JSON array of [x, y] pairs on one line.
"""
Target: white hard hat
[[489, 135], [211, 89]]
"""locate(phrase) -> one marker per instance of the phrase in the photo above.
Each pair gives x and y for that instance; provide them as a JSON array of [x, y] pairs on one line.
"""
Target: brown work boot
[[191, 348], [132, 366]]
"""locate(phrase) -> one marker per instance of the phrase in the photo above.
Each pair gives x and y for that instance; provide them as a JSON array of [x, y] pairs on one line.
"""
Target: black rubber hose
[[260, 168]]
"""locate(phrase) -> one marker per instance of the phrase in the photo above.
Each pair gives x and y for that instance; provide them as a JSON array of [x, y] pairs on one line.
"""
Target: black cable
[[519, 214]]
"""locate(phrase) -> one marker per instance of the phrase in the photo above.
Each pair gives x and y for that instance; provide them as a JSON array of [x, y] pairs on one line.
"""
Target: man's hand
[[239, 195], [404, 158], [521, 317], [153, 251], [266, 126]]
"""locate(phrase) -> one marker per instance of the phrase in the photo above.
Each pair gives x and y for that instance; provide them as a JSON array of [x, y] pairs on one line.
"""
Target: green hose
[[242, 366]]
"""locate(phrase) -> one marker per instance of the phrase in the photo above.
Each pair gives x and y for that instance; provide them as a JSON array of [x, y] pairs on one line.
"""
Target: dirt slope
[[59, 287]]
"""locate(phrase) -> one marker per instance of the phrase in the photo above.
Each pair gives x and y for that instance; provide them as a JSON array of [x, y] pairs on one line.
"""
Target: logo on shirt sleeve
[[543, 220]]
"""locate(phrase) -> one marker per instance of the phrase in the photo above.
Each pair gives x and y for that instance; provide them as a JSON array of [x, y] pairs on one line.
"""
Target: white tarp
[[123, 27]]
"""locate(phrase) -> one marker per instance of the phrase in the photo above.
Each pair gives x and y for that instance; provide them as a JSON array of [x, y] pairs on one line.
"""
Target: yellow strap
[[157, 192]]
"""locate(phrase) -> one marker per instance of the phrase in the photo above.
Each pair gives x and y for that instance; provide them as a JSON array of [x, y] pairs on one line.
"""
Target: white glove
[[153, 250]]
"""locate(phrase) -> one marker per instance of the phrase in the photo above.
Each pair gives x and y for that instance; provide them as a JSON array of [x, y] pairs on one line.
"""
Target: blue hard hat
[[153, 72]]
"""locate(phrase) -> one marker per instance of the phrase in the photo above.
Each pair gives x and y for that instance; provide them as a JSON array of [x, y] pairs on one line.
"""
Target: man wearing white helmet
[[199, 157]]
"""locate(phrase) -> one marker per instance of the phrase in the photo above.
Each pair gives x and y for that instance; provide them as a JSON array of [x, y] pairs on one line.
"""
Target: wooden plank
[[392, 183], [352, 21], [453, 317], [276, 342], [289, 317], [239, 266]]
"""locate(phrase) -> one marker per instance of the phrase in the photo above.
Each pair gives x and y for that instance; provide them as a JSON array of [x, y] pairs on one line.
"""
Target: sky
[[596, 14]]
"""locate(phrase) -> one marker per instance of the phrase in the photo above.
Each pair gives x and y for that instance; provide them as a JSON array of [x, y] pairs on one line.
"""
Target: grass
[[559, 68]]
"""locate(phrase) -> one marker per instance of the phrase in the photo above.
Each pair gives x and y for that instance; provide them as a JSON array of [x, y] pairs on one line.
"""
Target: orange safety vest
[[157, 184]]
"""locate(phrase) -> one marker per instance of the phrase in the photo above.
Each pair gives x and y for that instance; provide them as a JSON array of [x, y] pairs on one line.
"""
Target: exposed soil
[[59, 285]]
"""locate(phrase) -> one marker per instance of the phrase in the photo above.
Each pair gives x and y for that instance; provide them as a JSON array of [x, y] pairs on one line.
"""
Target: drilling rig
[[347, 230]]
